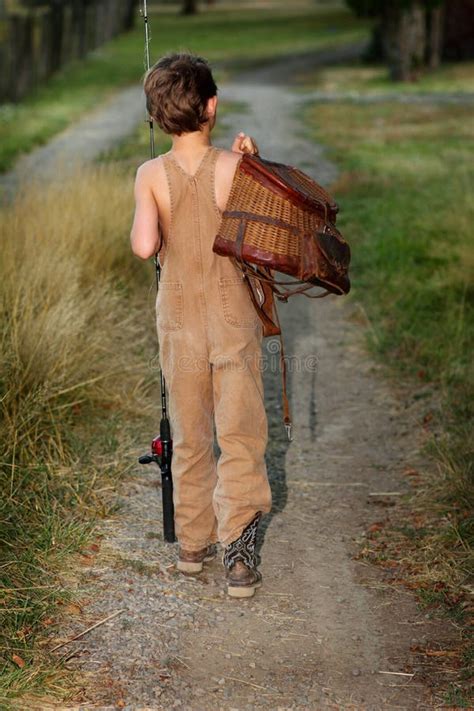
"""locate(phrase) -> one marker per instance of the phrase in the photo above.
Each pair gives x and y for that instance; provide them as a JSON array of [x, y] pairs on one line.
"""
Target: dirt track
[[325, 631]]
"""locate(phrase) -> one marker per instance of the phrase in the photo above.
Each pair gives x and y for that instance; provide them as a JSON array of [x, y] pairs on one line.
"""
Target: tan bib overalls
[[210, 353]]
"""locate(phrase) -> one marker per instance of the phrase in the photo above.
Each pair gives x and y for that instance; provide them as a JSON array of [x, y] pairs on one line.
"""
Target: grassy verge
[[406, 209], [235, 37], [373, 79], [73, 382]]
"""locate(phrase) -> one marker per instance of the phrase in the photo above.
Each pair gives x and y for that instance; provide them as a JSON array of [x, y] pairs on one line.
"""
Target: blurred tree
[[408, 34], [435, 36], [38, 37], [458, 30], [189, 7]]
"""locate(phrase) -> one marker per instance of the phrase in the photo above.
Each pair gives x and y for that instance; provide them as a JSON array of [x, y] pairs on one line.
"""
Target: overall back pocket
[[170, 306], [237, 305]]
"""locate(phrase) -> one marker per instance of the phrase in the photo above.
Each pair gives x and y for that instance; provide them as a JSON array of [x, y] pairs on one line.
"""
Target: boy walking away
[[208, 329]]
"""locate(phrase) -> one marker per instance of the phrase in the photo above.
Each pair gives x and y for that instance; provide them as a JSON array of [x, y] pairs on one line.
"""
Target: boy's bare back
[[152, 180]]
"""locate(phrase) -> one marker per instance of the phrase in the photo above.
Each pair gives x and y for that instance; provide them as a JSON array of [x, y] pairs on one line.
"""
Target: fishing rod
[[161, 446]]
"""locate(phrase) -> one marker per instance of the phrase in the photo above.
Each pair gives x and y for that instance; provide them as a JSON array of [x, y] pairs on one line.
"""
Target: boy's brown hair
[[177, 90]]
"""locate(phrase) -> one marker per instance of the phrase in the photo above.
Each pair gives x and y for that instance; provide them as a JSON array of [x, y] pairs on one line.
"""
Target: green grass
[[406, 205], [406, 209], [231, 37], [373, 79]]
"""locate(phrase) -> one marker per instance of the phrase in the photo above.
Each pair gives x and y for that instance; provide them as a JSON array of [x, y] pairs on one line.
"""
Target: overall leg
[[242, 488], [190, 395]]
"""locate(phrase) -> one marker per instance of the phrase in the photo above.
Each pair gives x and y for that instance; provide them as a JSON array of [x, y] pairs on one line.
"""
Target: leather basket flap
[[291, 184]]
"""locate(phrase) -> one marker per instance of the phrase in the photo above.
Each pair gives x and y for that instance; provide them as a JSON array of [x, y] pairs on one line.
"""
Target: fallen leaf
[[22, 634], [441, 653], [411, 472], [419, 520], [389, 563], [18, 661], [434, 652], [120, 703], [377, 526], [73, 609], [107, 405]]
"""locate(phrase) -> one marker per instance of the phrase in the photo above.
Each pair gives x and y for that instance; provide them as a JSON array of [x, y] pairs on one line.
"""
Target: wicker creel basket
[[278, 218]]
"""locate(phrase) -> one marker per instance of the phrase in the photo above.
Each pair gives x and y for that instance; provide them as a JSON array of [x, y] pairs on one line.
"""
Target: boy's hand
[[244, 144]]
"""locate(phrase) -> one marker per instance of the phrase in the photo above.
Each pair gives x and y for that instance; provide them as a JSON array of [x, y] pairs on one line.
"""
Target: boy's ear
[[211, 106]]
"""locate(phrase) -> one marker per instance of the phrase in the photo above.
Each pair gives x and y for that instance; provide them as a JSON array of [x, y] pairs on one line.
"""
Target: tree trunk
[[57, 24], [416, 20], [435, 43], [22, 56], [458, 35], [189, 7], [404, 39], [130, 14]]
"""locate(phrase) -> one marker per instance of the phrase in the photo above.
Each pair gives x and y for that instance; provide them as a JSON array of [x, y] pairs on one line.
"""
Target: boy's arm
[[144, 236]]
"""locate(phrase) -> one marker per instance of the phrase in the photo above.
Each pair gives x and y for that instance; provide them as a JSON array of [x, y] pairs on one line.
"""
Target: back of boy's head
[[177, 90]]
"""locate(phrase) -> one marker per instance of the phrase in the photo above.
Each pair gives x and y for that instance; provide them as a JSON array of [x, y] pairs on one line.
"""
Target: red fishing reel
[[156, 453]]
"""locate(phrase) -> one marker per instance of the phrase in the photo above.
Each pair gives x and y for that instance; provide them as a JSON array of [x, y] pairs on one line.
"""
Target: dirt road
[[95, 132], [325, 630]]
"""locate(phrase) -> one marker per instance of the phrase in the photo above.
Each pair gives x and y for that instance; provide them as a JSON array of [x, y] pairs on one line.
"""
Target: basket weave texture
[[279, 217]]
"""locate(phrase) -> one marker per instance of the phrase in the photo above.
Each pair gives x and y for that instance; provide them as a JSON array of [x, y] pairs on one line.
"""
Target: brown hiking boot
[[240, 562], [242, 581], [192, 561]]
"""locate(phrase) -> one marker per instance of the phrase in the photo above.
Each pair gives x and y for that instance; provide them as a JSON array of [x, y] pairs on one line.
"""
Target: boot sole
[[188, 567], [241, 592]]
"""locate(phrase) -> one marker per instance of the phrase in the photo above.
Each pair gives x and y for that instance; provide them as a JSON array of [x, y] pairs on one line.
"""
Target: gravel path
[[282, 71], [83, 141], [325, 630]]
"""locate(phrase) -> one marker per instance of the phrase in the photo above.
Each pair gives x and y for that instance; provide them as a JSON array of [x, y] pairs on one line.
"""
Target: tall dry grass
[[64, 268], [72, 380]]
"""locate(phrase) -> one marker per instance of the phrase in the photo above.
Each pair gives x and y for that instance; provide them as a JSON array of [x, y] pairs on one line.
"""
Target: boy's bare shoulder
[[226, 166], [150, 168], [229, 158], [227, 163]]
